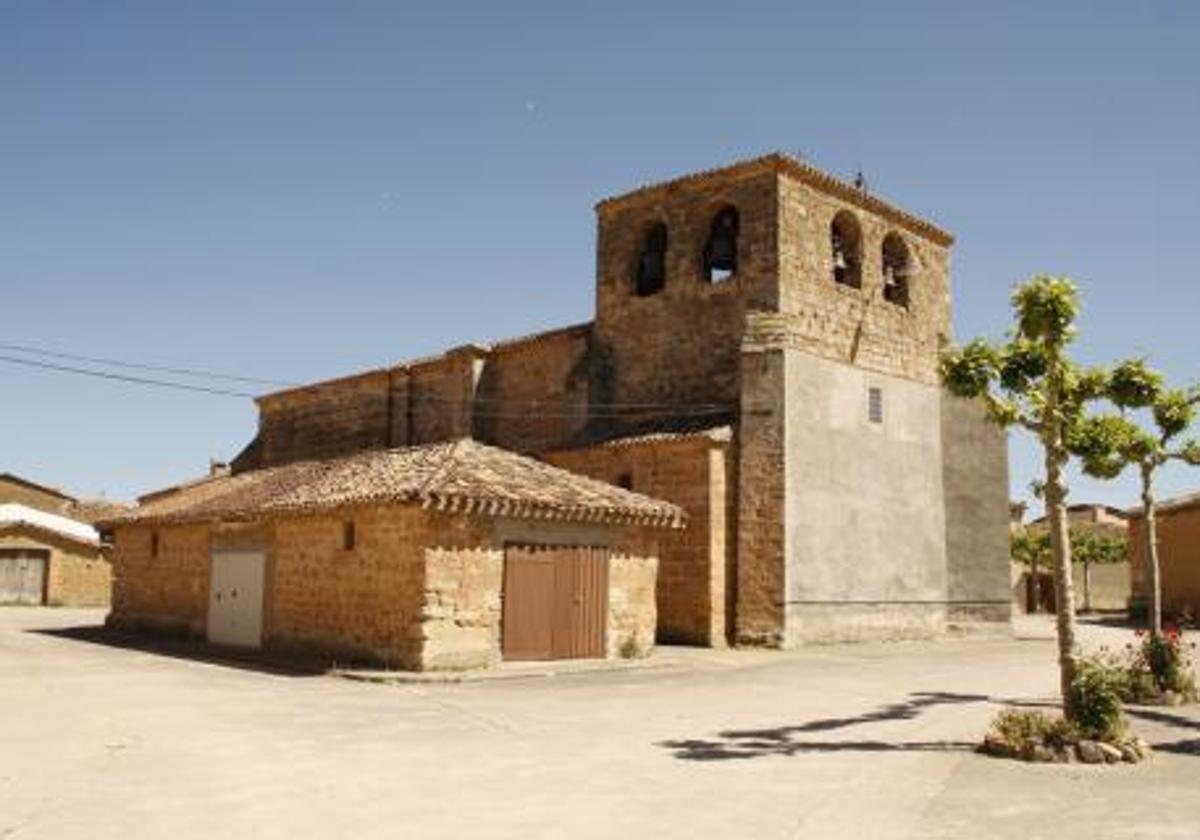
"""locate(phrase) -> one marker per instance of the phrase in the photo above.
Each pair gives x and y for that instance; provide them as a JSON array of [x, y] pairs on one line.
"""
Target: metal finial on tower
[[860, 181]]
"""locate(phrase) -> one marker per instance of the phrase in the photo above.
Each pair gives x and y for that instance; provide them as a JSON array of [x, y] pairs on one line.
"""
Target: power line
[[203, 374], [120, 377]]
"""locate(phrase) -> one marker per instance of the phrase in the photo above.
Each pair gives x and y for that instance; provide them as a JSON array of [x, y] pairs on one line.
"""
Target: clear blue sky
[[296, 190]]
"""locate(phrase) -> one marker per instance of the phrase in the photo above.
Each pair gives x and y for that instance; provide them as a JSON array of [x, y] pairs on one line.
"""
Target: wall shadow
[[287, 664]]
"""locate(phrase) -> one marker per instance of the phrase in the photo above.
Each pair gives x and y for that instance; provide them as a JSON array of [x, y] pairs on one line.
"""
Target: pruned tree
[[1108, 443], [1089, 547], [1095, 547], [1029, 381]]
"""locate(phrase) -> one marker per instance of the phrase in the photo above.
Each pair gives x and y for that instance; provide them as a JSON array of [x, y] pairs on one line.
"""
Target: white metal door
[[235, 598]]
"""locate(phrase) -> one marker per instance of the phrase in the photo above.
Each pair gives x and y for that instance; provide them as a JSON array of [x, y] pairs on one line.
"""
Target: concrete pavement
[[848, 741]]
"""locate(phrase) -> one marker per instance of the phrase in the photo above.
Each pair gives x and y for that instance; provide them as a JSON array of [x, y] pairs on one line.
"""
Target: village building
[[764, 358], [411, 557], [49, 553], [1177, 526]]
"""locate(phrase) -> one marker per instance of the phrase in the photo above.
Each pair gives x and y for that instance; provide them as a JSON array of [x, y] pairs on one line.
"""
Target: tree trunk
[[1087, 586], [1153, 579], [1035, 584], [1060, 547]]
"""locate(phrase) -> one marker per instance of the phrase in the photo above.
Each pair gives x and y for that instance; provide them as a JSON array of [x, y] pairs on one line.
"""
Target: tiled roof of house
[[1181, 502], [16, 514], [93, 510], [457, 476]]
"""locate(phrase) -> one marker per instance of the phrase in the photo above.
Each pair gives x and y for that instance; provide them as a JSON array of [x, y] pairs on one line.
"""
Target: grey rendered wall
[[865, 524], [975, 477]]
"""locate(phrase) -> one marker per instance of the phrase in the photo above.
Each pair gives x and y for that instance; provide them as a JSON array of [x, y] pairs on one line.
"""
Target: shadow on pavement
[[783, 740], [266, 662]]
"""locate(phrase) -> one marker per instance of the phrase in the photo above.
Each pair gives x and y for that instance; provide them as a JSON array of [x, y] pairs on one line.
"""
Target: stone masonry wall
[[690, 471], [362, 602], [167, 592], [681, 345], [858, 326]]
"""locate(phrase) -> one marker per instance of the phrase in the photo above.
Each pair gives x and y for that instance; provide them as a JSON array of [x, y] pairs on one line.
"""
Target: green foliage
[[1030, 548], [968, 371], [1096, 699], [1046, 310], [1173, 413], [1167, 660], [1092, 547], [1134, 385]]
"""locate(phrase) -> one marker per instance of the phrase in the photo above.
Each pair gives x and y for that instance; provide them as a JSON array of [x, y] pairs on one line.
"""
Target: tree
[[1030, 382], [1108, 443], [1089, 547], [1094, 547], [1032, 550]]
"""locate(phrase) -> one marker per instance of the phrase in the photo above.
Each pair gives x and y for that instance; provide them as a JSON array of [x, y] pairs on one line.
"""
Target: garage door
[[235, 598], [23, 575], [555, 602]]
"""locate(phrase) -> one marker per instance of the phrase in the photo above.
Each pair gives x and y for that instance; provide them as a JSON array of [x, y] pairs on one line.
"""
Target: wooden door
[[555, 602], [23, 575], [235, 598]]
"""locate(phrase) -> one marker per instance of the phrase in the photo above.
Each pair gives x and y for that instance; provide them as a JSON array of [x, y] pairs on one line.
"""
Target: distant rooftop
[[12, 514]]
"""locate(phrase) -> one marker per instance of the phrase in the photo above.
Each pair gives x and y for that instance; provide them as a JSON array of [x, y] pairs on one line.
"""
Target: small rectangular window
[[154, 544], [875, 405], [625, 480], [348, 535]]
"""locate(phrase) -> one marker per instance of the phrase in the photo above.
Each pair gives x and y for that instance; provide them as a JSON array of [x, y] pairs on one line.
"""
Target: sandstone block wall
[[858, 326], [694, 589], [166, 592], [681, 346], [418, 590], [362, 602]]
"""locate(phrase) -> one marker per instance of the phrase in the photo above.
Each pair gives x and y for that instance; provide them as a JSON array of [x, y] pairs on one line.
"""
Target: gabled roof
[[33, 485], [1180, 502], [457, 476], [15, 514]]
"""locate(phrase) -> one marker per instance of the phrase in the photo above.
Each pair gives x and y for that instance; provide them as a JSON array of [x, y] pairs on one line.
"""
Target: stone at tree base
[[1171, 698], [1142, 747], [1089, 752], [1130, 754], [1112, 755], [1041, 754]]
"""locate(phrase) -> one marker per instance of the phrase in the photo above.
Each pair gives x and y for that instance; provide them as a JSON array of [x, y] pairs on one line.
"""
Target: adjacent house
[[763, 363], [442, 556], [1178, 530], [49, 553]]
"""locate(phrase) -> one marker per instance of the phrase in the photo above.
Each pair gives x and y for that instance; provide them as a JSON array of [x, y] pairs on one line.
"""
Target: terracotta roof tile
[[457, 476]]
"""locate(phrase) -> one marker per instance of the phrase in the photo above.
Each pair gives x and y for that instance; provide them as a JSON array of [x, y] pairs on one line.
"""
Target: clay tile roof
[[1181, 502], [716, 434], [457, 476]]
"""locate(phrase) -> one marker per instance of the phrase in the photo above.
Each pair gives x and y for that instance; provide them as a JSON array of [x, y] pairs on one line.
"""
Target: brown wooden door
[[555, 602]]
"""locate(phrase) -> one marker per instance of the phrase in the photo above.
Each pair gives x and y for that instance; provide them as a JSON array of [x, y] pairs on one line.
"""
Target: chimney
[[218, 469]]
